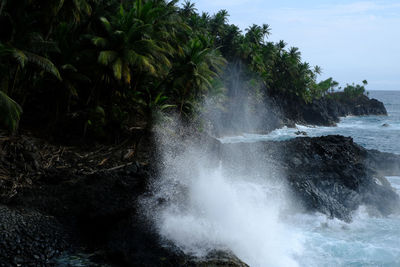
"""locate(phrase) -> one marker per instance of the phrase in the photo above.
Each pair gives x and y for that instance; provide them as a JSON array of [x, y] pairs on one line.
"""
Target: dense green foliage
[[104, 64], [354, 90]]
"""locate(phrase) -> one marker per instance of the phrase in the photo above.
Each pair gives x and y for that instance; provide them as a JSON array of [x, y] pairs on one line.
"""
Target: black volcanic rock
[[66, 210], [98, 212], [331, 174], [29, 238], [278, 111], [328, 110]]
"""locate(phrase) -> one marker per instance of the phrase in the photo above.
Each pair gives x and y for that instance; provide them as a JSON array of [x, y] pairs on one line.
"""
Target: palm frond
[[117, 68], [10, 112], [43, 63], [99, 41], [20, 56], [106, 24], [107, 57]]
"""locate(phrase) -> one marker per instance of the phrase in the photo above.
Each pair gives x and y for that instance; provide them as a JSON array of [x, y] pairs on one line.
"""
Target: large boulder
[[330, 174]]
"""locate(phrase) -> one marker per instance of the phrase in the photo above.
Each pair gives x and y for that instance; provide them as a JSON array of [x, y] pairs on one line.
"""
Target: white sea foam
[[367, 241], [367, 131], [208, 209]]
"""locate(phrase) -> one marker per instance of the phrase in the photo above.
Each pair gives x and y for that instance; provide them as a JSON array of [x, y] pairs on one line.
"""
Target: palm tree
[[194, 72], [256, 34], [295, 54], [218, 24], [188, 9], [72, 10], [317, 70], [126, 46], [136, 48]]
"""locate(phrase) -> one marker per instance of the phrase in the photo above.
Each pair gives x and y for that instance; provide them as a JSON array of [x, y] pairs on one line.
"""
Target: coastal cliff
[[279, 111], [328, 110]]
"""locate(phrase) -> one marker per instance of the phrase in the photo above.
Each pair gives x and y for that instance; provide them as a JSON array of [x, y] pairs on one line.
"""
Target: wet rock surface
[[68, 208], [278, 111], [50, 214], [330, 174]]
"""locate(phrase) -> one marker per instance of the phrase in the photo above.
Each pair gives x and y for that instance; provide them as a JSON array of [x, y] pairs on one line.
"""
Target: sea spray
[[200, 206], [365, 242]]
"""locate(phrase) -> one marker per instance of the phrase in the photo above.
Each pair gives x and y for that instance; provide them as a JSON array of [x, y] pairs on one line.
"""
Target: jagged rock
[[330, 174], [328, 110], [63, 208]]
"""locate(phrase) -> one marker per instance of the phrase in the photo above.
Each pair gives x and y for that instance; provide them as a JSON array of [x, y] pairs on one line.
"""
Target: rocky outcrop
[[331, 174], [81, 212], [97, 212], [328, 110], [278, 111], [78, 209]]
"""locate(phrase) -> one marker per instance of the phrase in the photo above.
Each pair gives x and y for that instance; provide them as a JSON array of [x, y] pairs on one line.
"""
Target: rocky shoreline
[[96, 212], [328, 110], [60, 204], [330, 174], [278, 112]]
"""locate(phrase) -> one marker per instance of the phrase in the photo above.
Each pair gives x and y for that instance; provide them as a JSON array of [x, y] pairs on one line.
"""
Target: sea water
[[367, 241], [207, 208], [372, 132]]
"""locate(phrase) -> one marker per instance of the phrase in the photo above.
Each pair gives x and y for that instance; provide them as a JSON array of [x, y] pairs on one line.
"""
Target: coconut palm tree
[[126, 46], [194, 72], [188, 9], [257, 34]]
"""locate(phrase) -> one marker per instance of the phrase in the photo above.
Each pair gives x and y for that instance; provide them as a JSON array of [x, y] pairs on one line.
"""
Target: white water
[[367, 131], [207, 208], [367, 241]]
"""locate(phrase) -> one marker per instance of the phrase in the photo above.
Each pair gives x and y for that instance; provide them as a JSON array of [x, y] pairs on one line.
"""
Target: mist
[[203, 203]]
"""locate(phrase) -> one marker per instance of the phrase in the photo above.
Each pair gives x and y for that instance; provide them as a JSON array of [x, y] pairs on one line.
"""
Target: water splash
[[207, 208]]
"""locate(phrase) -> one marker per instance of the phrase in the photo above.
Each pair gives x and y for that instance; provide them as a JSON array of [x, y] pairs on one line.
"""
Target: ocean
[[372, 132], [210, 208], [367, 241]]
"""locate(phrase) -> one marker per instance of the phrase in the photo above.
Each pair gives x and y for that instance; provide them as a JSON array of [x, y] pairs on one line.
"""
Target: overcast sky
[[350, 40]]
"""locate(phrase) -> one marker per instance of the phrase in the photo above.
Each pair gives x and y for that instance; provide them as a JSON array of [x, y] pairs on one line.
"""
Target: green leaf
[[107, 57], [10, 112], [43, 63], [117, 68]]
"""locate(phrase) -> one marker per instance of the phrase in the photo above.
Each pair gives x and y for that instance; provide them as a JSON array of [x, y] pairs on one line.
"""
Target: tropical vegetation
[[97, 66]]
